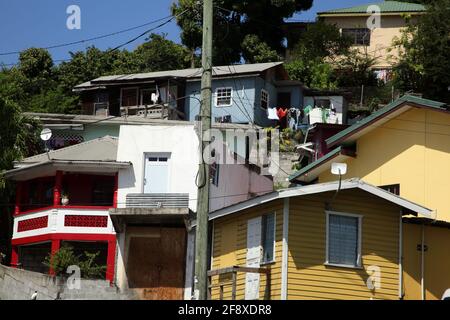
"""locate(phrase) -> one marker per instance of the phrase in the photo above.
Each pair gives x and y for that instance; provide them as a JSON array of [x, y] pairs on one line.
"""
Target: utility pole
[[201, 239]]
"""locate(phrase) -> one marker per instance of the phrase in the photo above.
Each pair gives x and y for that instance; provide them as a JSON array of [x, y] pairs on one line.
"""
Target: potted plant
[[64, 198]]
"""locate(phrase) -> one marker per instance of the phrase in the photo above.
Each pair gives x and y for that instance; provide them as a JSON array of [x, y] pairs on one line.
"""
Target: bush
[[65, 257]]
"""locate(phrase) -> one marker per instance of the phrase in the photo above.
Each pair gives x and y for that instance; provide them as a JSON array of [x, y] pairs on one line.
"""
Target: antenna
[[337, 169], [46, 134]]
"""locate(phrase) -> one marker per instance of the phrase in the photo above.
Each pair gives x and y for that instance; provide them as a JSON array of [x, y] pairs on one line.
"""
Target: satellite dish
[[46, 134], [338, 168]]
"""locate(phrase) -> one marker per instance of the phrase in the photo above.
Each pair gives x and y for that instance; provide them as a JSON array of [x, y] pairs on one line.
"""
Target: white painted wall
[[182, 144], [237, 183], [56, 219]]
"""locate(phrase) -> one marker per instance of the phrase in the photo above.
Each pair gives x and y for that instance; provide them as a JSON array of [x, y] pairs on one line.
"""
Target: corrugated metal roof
[[385, 7], [101, 149], [219, 71]]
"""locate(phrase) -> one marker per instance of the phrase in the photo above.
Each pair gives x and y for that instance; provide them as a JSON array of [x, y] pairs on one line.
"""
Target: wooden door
[[253, 258], [156, 264]]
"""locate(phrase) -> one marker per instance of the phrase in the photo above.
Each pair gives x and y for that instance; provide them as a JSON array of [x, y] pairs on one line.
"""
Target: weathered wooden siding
[[309, 278], [230, 248]]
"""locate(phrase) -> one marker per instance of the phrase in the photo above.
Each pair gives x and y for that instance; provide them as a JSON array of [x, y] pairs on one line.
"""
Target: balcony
[[151, 208]]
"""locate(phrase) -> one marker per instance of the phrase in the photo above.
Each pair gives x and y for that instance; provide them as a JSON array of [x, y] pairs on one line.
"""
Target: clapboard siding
[[309, 278], [235, 226]]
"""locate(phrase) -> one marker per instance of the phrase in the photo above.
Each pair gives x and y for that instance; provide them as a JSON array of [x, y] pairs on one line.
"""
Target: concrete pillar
[[110, 260], [14, 256]]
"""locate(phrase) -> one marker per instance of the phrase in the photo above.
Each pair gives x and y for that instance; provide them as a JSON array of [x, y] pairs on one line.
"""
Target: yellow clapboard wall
[[308, 277]]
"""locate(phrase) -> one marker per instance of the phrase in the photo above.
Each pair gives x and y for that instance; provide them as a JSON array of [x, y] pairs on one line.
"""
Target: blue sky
[[42, 23]]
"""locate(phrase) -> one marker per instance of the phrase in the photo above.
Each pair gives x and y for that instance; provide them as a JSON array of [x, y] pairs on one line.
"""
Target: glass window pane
[[268, 237], [223, 96], [343, 239]]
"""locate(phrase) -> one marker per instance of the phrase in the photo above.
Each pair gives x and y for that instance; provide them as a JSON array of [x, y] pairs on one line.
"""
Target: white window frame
[[137, 96], [263, 262], [267, 100], [216, 96], [359, 256]]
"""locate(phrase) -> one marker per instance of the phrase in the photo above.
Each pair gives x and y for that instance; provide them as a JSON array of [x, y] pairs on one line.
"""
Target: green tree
[[233, 21], [355, 69], [256, 51], [321, 40], [317, 49], [426, 2], [19, 137], [313, 73], [158, 53], [424, 54]]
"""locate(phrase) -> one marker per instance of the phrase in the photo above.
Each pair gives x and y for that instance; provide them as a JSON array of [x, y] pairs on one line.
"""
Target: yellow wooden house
[[324, 241], [405, 149]]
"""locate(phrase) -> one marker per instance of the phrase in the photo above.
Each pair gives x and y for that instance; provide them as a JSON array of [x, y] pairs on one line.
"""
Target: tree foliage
[[311, 59], [37, 85], [424, 54], [18, 138], [65, 257], [236, 22]]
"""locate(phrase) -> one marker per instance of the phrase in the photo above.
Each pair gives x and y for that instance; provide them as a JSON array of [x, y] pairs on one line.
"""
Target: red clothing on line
[[281, 113]]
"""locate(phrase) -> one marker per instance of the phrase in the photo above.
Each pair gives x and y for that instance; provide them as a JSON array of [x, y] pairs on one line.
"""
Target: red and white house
[[65, 196]]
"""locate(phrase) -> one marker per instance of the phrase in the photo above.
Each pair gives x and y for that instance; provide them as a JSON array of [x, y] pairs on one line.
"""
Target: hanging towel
[[282, 113], [272, 114], [307, 109]]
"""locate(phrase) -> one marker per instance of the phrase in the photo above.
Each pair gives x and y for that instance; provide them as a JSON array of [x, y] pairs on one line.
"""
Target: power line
[[149, 30], [93, 38]]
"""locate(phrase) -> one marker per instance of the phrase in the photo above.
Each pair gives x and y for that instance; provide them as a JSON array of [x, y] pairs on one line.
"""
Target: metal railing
[[233, 271], [157, 200]]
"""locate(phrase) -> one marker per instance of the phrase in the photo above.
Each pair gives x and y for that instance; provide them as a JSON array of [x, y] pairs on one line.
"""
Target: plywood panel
[[156, 264]]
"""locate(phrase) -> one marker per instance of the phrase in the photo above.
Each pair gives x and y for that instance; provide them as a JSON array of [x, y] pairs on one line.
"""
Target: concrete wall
[[237, 183], [16, 284], [381, 38], [182, 144]]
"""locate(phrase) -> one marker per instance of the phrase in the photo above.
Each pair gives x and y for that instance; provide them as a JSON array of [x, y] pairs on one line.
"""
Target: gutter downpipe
[[285, 251], [400, 258]]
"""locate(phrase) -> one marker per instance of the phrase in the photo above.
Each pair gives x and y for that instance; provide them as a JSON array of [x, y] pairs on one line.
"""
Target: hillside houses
[[305, 202]]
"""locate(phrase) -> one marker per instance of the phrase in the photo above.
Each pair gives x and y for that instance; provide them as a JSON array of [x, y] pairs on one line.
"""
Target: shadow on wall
[[436, 261], [312, 279]]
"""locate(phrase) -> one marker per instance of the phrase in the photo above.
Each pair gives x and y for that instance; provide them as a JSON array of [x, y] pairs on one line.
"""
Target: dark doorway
[[284, 99], [32, 257]]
